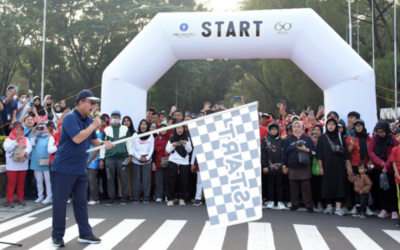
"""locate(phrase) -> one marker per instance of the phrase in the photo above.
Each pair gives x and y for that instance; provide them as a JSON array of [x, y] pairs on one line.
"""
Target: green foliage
[[2, 152]]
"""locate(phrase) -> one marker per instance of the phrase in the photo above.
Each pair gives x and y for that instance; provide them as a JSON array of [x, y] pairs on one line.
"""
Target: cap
[[88, 95], [305, 112], [292, 111], [16, 124], [295, 117], [115, 112], [11, 86], [265, 114], [164, 124], [50, 123], [359, 121]]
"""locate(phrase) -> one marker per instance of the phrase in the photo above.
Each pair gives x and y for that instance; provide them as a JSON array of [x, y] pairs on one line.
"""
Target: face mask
[[114, 121], [23, 99], [15, 97]]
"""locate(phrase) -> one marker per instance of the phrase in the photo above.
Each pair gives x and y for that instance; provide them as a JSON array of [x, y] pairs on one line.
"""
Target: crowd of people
[[310, 162]]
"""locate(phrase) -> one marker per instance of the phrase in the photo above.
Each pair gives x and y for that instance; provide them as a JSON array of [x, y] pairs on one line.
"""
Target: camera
[[40, 128], [299, 144]]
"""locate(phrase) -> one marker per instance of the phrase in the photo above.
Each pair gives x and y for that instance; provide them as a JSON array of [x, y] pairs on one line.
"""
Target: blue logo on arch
[[184, 27]]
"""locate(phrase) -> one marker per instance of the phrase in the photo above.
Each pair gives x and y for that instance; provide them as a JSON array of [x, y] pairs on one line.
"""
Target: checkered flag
[[227, 146]]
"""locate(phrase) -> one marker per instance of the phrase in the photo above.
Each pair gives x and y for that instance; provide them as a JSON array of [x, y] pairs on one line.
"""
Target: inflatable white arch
[[300, 35]]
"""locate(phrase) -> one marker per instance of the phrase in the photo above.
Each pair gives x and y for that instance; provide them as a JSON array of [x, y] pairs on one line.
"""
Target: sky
[[221, 5]]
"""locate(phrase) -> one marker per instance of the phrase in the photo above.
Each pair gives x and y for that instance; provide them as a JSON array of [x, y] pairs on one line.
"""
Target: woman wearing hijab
[[271, 158], [299, 174], [357, 144], [153, 126], [342, 128], [16, 168], [380, 151], [179, 146], [332, 166], [160, 142], [40, 142], [316, 179], [39, 109], [127, 121], [143, 148]]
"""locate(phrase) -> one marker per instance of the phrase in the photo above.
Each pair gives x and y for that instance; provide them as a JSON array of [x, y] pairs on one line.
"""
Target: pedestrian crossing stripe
[[260, 235]]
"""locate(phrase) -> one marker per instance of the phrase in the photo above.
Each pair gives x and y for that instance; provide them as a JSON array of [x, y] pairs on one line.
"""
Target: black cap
[[359, 121], [50, 123], [292, 111], [87, 94]]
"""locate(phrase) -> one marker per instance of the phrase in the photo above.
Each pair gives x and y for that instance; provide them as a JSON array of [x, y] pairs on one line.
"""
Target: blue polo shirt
[[71, 158], [8, 109]]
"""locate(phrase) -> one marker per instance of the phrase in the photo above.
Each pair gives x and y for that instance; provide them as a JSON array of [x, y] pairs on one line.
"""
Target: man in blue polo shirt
[[69, 174], [10, 108]]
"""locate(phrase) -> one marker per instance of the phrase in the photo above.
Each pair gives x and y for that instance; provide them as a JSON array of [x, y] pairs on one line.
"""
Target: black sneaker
[[22, 203], [357, 214], [362, 215], [146, 201], [135, 201], [398, 224], [90, 239], [58, 242], [110, 202], [197, 203], [294, 208], [310, 210], [123, 201]]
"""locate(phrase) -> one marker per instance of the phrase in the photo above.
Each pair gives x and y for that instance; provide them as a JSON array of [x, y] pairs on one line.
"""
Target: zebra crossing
[[260, 235]]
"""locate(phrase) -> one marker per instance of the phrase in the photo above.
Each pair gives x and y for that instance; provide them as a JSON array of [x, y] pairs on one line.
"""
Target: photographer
[[10, 108], [179, 147]]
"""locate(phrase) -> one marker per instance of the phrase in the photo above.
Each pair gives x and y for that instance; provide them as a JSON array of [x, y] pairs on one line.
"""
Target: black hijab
[[344, 133], [131, 128], [144, 138], [334, 134], [39, 108], [363, 137], [176, 138], [382, 143]]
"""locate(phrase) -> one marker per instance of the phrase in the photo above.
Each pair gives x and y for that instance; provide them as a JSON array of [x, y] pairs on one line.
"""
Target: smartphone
[[312, 112], [284, 102], [187, 113], [30, 91], [237, 98], [280, 117], [321, 107], [312, 134], [125, 163], [173, 108], [16, 88], [353, 134]]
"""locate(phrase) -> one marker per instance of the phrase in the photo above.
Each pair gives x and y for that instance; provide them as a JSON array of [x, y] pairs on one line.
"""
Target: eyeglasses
[[359, 126], [91, 102], [380, 132]]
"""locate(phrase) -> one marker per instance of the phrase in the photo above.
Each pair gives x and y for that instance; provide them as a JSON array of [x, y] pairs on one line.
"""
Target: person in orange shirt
[[396, 167]]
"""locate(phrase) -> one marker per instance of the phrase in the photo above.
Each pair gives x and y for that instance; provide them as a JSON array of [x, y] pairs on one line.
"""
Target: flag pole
[[177, 125], [373, 35], [43, 48], [395, 60], [350, 26]]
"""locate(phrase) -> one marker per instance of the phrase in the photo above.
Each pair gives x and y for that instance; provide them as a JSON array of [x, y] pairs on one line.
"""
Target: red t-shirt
[[263, 132], [355, 153], [396, 158]]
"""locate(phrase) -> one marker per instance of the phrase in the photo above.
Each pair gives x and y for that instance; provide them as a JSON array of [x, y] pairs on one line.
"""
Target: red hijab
[[13, 136]]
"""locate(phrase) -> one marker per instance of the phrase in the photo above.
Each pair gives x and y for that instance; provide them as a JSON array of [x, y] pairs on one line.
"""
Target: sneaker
[[90, 239], [131, 198], [69, 200], [319, 207], [58, 242], [135, 201], [294, 208], [182, 202], [369, 212], [123, 201], [395, 216], [110, 202], [265, 201], [270, 205], [354, 210], [398, 224], [356, 214], [197, 203], [170, 203], [362, 215], [158, 200], [383, 214], [310, 210], [281, 206], [92, 203], [146, 201], [10, 205], [340, 211], [39, 200], [22, 203], [176, 200], [193, 200], [345, 210], [47, 201], [289, 204], [328, 210]]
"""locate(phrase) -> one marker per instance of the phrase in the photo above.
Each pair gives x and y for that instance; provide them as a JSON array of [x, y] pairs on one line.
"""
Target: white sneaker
[[170, 203], [354, 210], [159, 200], [281, 206], [270, 205], [182, 202], [47, 201], [369, 212], [289, 204], [69, 200], [39, 200], [92, 203]]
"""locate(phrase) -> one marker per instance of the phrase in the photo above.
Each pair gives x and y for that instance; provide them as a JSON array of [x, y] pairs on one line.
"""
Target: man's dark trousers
[[62, 186]]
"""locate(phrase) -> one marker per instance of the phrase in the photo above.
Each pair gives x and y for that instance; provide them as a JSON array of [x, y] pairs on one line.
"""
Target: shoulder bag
[[304, 158], [336, 149], [43, 162]]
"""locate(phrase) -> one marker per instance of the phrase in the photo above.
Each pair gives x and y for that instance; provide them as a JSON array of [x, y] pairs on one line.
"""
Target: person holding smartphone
[[357, 143], [179, 147]]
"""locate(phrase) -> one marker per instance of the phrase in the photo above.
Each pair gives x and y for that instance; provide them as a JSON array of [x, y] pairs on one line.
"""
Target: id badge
[[8, 117]]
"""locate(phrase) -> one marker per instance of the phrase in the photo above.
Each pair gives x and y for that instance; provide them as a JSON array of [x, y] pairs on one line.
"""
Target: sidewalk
[[6, 212]]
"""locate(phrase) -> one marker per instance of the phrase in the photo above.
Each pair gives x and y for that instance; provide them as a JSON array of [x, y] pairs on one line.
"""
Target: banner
[[227, 148]]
